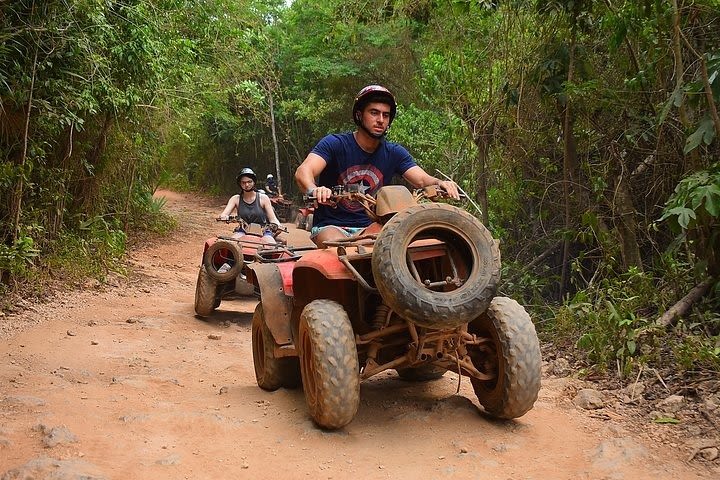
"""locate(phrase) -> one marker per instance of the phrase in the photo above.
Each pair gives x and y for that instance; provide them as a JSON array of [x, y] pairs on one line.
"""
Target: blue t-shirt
[[347, 164]]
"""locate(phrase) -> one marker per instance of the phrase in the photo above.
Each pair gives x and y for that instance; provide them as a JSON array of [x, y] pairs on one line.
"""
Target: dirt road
[[122, 381]]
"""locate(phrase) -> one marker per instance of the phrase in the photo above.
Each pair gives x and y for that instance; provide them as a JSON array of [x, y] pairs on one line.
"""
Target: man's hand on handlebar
[[321, 195], [450, 188]]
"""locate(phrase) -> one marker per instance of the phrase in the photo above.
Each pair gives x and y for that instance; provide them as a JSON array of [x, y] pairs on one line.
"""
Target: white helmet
[[269, 175]]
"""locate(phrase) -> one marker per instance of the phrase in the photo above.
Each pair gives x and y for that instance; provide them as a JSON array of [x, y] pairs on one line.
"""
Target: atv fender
[[277, 306], [326, 262]]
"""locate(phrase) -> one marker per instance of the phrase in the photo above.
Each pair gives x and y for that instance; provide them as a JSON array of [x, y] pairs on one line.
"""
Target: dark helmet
[[373, 93], [246, 172]]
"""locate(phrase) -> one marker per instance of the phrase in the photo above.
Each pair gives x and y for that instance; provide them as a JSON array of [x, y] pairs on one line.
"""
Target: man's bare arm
[[305, 177], [420, 178]]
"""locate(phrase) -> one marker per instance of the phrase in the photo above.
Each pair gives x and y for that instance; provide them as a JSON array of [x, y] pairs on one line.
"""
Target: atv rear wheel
[[513, 358], [220, 253], [329, 364], [472, 260], [271, 372], [207, 297], [423, 373]]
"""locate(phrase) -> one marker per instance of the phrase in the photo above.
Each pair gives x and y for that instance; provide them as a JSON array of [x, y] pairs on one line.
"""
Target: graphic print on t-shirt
[[367, 176]]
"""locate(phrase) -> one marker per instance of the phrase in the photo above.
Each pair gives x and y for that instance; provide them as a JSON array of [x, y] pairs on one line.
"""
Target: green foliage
[[693, 211], [438, 141], [18, 257], [697, 97], [149, 214], [695, 202], [97, 246], [698, 352], [609, 323]]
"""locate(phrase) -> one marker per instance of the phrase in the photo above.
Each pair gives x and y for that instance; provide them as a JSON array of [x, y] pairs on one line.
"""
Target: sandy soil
[[122, 381]]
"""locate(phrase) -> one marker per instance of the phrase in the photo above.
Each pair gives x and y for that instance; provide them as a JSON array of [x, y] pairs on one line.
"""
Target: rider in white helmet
[[271, 185]]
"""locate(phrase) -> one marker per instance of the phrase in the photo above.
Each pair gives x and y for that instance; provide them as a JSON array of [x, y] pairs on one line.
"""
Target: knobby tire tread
[[516, 390], [206, 294], [329, 364]]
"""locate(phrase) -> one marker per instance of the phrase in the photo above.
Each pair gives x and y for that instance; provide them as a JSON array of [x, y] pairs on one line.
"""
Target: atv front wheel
[[329, 364], [207, 297], [271, 372], [451, 281], [512, 358]]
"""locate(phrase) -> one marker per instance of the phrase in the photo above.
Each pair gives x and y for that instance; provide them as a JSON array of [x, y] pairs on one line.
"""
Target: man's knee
[[328, 234]]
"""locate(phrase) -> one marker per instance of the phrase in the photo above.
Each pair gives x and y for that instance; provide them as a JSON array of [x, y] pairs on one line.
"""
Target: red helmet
[[369, 94]]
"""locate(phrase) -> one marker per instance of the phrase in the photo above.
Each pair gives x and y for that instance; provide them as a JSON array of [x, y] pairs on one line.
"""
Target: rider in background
[[361, 157], [271, 185], [251, 206]]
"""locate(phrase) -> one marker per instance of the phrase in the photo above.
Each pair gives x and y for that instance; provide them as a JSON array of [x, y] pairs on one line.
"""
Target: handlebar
[[273, 228], [353, 192]]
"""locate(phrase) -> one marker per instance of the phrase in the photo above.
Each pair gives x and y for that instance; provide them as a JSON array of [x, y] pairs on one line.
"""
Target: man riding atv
[[362, 157], [403, 281]]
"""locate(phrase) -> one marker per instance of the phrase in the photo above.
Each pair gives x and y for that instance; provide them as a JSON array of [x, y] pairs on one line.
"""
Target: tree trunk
[[569, 169], [276, 148], [86, 195], [16, 206], [679, 69], [482, 141], [626, 223], [681, 307]]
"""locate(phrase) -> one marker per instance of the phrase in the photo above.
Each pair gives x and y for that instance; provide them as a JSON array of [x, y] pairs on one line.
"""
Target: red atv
[[414, 292], [283, 207], [304, 218], [225, 258]]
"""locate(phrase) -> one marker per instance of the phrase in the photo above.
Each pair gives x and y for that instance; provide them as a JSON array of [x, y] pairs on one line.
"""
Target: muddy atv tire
[[207, 298], [423, 373], [329, 364], [223, 251], [469, 243], [513, 356], [271, 372], [309, 222]]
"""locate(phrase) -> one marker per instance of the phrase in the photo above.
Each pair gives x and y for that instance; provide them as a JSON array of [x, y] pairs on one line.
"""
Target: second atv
[[225, 258]]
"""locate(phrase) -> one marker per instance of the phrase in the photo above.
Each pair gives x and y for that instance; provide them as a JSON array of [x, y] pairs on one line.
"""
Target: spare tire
[[219, 253], [421, 293]]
